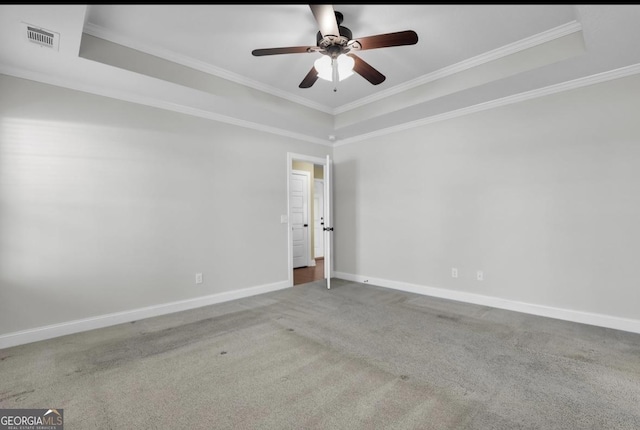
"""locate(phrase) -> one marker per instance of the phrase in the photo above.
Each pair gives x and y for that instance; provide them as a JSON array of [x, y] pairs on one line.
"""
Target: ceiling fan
[[337, 45]]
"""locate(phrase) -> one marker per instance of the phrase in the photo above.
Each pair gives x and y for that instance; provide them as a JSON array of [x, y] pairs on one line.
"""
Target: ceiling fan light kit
[[326, 67], [337, 46]]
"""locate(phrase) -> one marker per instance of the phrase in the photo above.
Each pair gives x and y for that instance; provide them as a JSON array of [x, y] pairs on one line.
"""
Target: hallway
[[309, 273]]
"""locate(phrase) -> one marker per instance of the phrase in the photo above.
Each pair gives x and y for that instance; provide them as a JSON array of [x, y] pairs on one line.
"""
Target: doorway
[[309, 240]]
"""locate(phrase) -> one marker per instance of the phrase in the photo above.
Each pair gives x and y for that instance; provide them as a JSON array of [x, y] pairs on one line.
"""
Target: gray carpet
[[354, 357]]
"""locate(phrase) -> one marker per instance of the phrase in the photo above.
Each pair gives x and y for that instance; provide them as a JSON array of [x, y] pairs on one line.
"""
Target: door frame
[[291, 157]]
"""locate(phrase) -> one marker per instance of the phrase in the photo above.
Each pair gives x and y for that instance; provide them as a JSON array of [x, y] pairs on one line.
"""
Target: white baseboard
[[601, 320], [76, 326]]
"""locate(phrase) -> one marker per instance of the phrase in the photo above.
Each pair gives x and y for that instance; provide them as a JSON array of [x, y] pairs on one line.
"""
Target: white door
[[318, 218], [328, 223], [299, 213]]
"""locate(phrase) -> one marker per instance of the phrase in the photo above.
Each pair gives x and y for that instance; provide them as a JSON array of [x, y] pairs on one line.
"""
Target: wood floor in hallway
[[309, 273]]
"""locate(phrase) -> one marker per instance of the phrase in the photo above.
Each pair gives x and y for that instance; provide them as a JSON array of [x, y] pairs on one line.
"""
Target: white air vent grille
[[41, 36]]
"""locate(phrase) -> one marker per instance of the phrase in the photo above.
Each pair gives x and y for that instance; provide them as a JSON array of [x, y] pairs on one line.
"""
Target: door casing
[[327, 196]]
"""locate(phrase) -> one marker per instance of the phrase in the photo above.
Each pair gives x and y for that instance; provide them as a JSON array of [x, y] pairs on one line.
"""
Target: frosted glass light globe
[[324, 67]]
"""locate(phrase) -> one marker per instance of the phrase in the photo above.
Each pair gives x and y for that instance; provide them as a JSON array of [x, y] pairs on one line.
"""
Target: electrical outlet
[[454, 272], [480, 275], [198, 278]]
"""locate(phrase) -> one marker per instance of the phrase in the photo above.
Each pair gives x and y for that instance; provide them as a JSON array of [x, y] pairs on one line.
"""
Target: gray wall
[[542, 195], [108, 206]]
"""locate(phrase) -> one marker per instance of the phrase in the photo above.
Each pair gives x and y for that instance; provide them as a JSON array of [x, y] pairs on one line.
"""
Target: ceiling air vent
[[42, 37]]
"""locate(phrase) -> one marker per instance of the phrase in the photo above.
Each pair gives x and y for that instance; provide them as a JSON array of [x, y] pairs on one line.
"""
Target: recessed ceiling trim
[[148, 101], [516, 98], [552, 89], [512, 48], [97, 31], [537, 39], [119, 95]]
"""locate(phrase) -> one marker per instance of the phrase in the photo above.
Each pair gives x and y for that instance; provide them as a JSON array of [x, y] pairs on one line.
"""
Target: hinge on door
[[327, 228]]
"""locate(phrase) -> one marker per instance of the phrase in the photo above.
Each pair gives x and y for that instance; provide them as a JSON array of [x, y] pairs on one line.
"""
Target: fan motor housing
[[344, 32], [341, 40]]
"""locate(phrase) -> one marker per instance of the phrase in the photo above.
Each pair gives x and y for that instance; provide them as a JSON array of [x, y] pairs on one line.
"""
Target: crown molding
[[516, 98], [153, 102], [512, 48], [120, 95], [102, 33]]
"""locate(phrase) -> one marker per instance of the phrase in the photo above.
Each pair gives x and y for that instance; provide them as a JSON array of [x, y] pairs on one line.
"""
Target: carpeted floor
[[353, 357]]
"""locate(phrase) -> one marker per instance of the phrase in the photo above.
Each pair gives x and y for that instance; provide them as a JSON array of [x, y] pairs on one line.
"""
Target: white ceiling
[[197, 59]]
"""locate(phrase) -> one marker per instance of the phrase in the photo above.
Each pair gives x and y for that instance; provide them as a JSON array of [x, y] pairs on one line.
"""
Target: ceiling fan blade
[[326, 18], [365, 70], [287, 50], [310, 79], [408, 37]]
